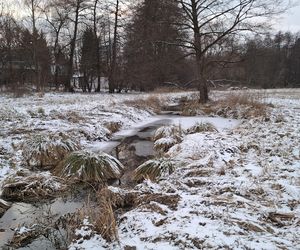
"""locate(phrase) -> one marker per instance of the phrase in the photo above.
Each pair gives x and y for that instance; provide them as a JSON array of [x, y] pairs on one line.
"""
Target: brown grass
[[113, 127], [255, 100], [151, 102], [250, 104], [237, 105], [102, 216], [168, 200]]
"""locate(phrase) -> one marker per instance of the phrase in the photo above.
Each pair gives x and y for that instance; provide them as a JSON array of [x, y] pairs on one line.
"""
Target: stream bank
[[132, 147]]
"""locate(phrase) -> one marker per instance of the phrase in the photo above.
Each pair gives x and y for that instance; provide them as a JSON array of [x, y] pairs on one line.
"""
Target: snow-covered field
[[84, 117], [235, 188]]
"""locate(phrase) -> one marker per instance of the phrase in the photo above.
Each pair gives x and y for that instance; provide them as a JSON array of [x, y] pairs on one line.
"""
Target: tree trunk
[[200, 57], [202, 82], [112, 77], [34, 46], [68, 86], [98, 88]]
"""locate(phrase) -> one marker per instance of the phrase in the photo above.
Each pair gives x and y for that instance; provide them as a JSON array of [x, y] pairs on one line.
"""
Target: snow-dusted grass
[[91, 167], [26, 186], [87, 118], [46, 151], [167, 136], [154, 169], [239, 188]]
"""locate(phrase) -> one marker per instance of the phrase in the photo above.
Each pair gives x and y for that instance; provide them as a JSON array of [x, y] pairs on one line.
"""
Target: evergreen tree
[[151, 58], [88, 62]]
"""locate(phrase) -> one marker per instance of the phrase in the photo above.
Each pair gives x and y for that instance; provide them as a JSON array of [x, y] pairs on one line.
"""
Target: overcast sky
[[290, 21]]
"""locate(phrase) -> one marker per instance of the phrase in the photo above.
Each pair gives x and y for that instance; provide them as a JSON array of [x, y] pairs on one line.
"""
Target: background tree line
[[145, 44]]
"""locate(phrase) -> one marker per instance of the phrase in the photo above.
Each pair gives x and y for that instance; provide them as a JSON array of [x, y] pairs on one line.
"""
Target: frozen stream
[[145, 130], [138, 138]]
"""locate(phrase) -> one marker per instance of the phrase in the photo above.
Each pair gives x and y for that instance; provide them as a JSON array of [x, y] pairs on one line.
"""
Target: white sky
[[290, 21]]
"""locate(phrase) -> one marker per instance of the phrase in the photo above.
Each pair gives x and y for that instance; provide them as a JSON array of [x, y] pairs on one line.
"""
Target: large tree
[[213, 21], [10, 34]]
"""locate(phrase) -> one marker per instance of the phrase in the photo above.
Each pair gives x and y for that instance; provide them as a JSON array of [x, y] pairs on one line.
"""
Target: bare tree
[[57, 17], [33, 6], [96, 34], [213, 21], [113, 65], [78, 8]]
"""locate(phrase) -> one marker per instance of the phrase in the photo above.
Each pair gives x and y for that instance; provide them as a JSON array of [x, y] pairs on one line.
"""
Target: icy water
[[142, 133], [20, 214], [138, 148]]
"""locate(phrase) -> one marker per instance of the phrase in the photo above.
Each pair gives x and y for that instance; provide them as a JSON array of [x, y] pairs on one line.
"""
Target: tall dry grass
[[152, 102], [102, 216], [238, 104]]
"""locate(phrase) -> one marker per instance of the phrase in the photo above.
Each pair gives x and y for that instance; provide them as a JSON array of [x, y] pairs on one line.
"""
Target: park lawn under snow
[[238, 188]]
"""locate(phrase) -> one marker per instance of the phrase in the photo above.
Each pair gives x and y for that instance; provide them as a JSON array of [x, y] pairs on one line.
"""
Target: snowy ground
[[84, 117], [238, 187]]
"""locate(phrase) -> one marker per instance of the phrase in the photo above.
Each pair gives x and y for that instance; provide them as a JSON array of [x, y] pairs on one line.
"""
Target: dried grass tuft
[[25, 186], [250, 105], [91, 167], [165, 137], [154, 169], [202, 127], [113, 127], [46, 151], [168, 200], [102, 216], [242, 104]]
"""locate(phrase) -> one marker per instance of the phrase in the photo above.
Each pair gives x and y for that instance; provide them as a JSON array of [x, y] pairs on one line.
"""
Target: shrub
[[154, 169], [46, 151], [91, 167]]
